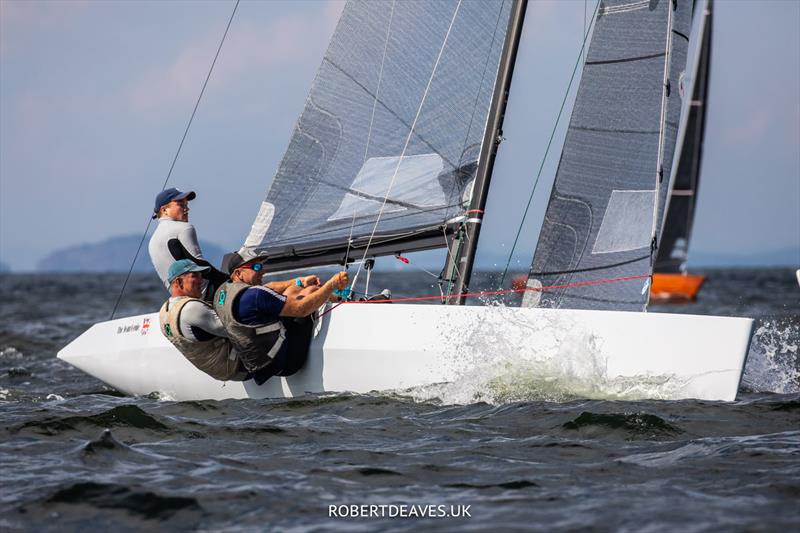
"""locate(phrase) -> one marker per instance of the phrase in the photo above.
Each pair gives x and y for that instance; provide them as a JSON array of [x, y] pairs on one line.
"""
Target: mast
[[465, 242]]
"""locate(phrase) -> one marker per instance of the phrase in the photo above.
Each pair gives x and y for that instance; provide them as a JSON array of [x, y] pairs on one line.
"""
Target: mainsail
[[387, 146], [608, 198], [674, 245]]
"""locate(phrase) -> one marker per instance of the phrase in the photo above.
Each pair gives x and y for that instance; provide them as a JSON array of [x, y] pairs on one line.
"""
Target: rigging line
[[478, 93], [549, 143], [411, 131], [391, 111], [175, 159], [349, 240], [584, 26], [293, 239], [347, 252], [380, 79], [494, 293], [327, 251], [414, 265]]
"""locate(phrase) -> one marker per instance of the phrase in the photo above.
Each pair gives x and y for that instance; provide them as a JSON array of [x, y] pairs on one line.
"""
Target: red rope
[[488, 293]]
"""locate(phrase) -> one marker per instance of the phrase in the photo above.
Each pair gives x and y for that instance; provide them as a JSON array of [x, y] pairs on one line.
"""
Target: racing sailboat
[[394, 152], [671, 281]]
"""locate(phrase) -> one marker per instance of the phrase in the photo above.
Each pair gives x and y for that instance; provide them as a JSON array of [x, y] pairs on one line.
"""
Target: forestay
[[674, 245], [608, 197], [390, 133]]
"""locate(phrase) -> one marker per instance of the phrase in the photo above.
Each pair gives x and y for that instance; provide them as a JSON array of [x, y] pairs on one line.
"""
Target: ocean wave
[[772, 363]]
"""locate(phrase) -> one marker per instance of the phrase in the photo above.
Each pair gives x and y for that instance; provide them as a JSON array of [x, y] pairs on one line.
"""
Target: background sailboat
[[671, 281], [393, 152]]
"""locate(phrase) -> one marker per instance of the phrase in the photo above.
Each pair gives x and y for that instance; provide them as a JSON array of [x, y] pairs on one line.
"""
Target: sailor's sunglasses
[[255, 266]]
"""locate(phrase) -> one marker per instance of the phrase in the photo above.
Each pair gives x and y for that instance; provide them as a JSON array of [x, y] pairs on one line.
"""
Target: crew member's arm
[[281, 286], [188, 238], [304, 305], [201, 322], [186, 247]]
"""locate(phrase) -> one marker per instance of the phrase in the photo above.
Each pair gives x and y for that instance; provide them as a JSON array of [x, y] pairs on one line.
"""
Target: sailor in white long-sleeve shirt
[[176, 239]]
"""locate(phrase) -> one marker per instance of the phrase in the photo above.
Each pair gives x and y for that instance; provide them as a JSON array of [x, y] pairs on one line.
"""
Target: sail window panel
[[626, 222], [404, 182], [380, 80], [353, 207]]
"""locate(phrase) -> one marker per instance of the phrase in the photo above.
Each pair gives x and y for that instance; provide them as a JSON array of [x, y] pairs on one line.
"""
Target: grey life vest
[[258, 345], [214, 357]]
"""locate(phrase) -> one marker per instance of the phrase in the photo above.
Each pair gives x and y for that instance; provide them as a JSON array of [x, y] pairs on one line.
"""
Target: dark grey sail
[[388, 143], [609, 193], [674, 245]]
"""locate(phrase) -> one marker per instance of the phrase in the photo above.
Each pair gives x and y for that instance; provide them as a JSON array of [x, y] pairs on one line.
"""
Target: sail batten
[[391, 134], [624, 59], [608, 195]]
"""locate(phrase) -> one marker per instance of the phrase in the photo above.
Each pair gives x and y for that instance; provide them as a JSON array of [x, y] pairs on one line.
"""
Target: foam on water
[[772, 363], [515, 381], [553, 360], [10, 353]]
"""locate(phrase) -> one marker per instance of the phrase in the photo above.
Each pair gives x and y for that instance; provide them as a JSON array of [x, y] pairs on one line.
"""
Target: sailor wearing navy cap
[[176, 239]]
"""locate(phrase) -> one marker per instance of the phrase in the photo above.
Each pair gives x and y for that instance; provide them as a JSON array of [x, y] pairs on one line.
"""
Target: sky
[[95, 97]]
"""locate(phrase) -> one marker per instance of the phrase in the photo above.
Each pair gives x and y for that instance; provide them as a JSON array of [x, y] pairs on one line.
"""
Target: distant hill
[[112, 255]]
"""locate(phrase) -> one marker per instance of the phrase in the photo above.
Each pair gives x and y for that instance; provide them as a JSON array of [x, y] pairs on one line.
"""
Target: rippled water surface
[[75, 455]]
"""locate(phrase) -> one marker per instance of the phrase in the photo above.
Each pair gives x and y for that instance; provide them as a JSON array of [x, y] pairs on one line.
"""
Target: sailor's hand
[[310, 281], [339, 280]]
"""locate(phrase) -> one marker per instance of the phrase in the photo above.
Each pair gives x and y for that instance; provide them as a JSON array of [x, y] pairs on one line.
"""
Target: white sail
[[605, 207], [390, 136]]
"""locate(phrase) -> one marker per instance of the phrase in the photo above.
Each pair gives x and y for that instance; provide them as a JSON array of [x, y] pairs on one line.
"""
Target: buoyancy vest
[[215, 357], [257, 345]]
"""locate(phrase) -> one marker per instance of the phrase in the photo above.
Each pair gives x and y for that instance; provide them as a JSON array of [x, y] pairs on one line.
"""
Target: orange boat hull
[[675, 287]]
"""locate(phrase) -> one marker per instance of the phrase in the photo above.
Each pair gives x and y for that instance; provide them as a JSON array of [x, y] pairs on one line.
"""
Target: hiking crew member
[[270, 326], [193, 328], [176, 239]]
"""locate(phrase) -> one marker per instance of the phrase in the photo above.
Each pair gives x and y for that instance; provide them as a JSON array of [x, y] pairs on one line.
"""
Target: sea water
[[510, 448]]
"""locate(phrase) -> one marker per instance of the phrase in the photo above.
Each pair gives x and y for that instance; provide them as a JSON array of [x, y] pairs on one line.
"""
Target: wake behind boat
[[394, 152]]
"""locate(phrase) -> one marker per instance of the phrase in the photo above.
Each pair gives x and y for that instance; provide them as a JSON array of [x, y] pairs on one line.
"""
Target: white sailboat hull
[[378, 347]]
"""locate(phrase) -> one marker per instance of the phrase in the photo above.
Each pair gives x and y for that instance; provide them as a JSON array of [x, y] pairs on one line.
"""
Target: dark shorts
[[294, 352]]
